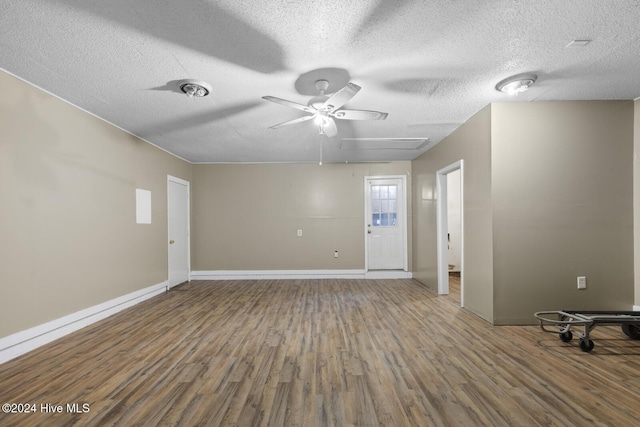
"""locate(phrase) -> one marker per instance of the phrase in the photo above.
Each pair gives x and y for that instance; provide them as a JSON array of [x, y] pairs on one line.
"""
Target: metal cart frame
[[566, 319]]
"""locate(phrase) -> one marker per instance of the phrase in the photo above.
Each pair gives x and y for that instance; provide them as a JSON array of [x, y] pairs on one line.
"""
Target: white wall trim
[[298, 274], [636, 308], [22, 342], [388, 274], [276, 274], [442, 224]]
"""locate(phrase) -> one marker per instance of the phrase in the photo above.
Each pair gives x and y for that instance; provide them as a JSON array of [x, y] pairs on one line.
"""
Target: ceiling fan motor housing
[[317, 102]]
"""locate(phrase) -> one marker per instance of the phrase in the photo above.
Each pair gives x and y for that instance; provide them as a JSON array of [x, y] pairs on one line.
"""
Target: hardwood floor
[[321, 352], [454, 288]]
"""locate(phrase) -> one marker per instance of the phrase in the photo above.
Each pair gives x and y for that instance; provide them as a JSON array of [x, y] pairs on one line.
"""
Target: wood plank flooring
[[321, 353]]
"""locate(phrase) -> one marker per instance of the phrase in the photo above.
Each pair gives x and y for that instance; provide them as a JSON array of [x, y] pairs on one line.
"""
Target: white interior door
[[453, 220], [442, 231], [385, 223], [178, 220]]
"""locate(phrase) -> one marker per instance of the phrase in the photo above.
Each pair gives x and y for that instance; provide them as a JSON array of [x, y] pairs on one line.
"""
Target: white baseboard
[[297, 274], [276, 274], [388, 274], [636, 308], [22, 342]]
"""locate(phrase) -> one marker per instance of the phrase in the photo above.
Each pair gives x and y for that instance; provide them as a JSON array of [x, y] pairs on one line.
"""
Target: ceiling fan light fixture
[[323, 108], [516, 84], [195, 88], [322, 123]]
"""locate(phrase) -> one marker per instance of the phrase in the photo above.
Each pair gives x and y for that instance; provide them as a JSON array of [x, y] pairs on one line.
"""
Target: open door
[[442, 234]]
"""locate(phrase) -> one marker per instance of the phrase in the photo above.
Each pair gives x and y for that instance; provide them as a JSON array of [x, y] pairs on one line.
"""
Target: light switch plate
[[582, 282]]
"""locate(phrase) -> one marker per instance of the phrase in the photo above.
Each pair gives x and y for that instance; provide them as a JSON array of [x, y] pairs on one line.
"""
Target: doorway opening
[[450, 230]]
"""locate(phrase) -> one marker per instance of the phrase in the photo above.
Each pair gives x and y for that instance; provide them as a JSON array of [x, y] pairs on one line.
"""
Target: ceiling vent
[[579, 43]]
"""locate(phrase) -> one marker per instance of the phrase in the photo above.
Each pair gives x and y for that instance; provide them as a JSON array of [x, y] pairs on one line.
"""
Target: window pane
[[392, 192], [375, 191], [384, 206], [393, 205], [384, 191], [375, 220], [385, 219], [392, 219], [375, 205]]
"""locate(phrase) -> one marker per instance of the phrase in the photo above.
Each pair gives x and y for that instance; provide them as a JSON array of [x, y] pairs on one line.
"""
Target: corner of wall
[[636, 201], [70, 207], [470, 142]]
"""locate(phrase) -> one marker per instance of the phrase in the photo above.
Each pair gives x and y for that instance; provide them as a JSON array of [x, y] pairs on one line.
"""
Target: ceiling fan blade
[[292, 122], [359, 115], [341, 97], [289, 103], [329, 127]]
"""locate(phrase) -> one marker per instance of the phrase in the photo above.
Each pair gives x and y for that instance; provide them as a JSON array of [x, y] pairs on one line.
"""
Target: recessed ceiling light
[[579, 43], [195, 88], [516, 84]]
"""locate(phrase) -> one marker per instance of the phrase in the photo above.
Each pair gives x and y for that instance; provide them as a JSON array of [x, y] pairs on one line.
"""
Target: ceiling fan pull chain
[[320, 152]]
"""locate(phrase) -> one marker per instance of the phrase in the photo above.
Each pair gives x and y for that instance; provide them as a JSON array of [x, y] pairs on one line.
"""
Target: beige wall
[[470, 142], [562, 205], [548, 196], [67, 191], [67, 209], [245, 217], [636, 199]]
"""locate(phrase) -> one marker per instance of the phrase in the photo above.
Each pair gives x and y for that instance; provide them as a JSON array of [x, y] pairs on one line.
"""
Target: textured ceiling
[[430, 64]]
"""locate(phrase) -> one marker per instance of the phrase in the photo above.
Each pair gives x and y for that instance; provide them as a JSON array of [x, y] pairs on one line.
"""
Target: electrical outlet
[[335, 254], [582, 282], [299, 232]]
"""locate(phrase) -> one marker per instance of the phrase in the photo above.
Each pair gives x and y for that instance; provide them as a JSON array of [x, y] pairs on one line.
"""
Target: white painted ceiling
[[430, 64]]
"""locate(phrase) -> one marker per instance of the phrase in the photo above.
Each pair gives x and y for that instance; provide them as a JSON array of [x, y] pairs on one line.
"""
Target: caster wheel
[[586, 345], [633, 332], [566, 336]]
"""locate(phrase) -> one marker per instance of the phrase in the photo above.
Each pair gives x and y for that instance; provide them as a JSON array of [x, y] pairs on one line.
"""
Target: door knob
[[171, 242]]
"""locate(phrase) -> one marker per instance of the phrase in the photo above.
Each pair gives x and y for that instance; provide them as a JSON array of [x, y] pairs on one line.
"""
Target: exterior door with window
[[385, 226]]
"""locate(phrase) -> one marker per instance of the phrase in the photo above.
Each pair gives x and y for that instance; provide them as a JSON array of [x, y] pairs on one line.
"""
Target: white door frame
[[188, 185], [405, 253], [442, 227]]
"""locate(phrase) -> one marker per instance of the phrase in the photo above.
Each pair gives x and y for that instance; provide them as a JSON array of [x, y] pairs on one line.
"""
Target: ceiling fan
[[324, 108]]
